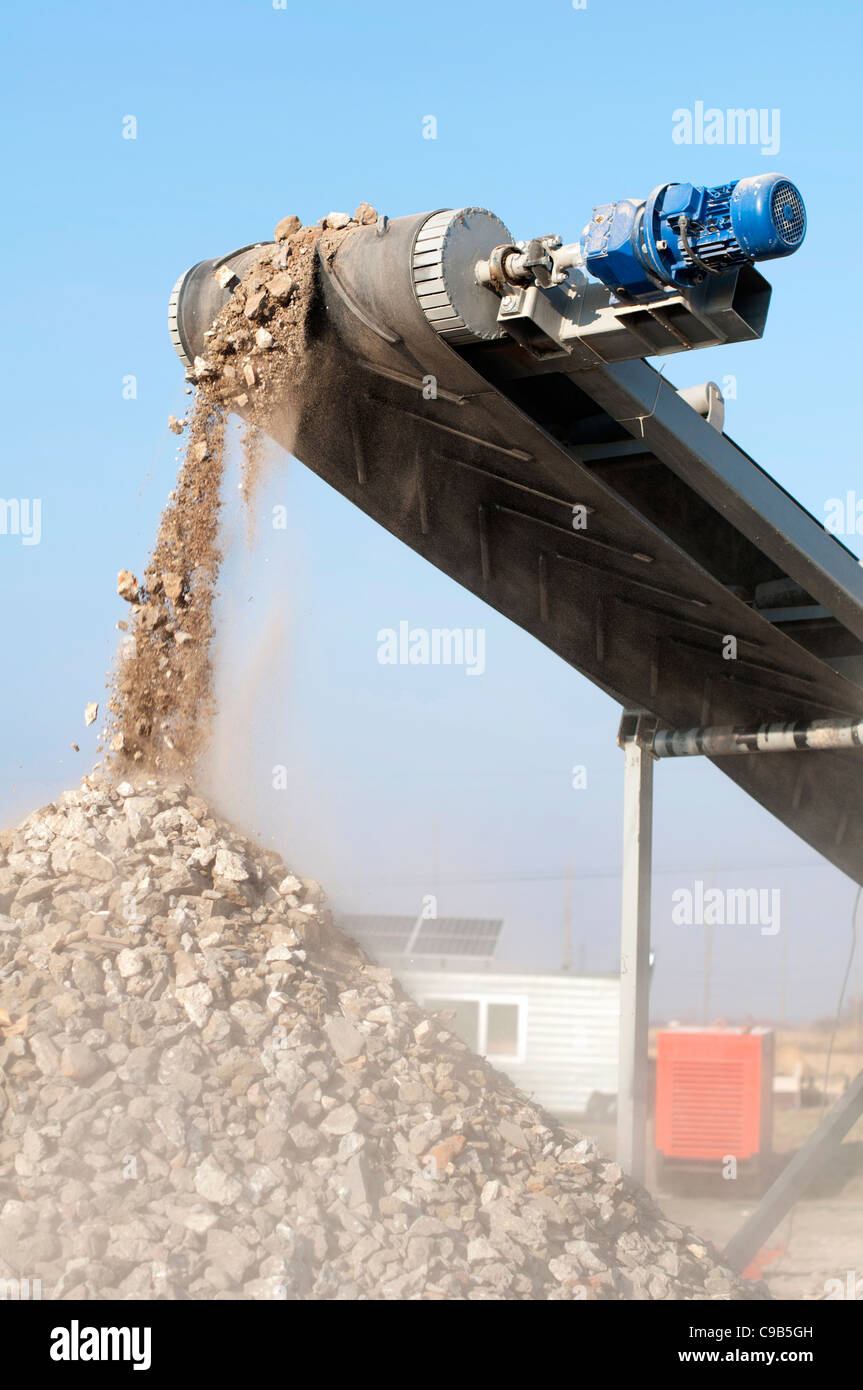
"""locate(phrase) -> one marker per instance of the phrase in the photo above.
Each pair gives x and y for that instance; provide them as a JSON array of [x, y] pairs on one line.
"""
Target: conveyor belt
[[683, 528]]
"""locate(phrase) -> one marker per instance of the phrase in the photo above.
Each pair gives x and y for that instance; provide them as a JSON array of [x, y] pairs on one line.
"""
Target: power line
[[560, 876]]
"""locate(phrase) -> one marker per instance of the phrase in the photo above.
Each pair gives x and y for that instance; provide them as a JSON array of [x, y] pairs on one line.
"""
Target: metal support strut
[[641, 742], [796, 1177], [632, 1087]]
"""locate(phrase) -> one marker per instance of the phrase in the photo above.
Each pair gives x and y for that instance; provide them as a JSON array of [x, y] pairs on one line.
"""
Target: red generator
[[714, 1098]]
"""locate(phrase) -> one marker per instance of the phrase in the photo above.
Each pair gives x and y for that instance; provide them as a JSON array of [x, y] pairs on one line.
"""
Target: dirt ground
[[820, 1240]]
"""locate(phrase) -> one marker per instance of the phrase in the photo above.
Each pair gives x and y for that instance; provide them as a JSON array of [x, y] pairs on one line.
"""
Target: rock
[[127, 586], [365, 214], [264, 339], [196, 1000], [130, 963], [138, 1067], [354, 1185], [230, 1255], [80, 1063], [151, 617], [92, 865], [91, 712], [440, 1156], [251, 1018], [88, 976], [282, 286], [481, 1249], [346, 1041], [176, 427], [422, 1136], [212, 1183], [513, 1134], [286, 228], [303, 1137], [272, 1288], [35, 890], [340, 1121], [173, 585], [45, 1054], [230, 866], [337, 220], [567, 1270], [185, 968], [255, 304]]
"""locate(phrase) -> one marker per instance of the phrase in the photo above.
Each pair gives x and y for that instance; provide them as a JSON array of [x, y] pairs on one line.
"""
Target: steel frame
[[642, 741]]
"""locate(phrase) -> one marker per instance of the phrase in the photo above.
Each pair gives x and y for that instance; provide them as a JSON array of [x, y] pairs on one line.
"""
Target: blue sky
[[400, 777]]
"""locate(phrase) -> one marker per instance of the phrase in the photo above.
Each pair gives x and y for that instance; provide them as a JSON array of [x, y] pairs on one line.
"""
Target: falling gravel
[[162, 706]]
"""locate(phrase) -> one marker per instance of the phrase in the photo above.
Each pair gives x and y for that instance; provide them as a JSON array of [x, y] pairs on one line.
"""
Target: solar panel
[[457, 936], [380, 935], [473, 937]]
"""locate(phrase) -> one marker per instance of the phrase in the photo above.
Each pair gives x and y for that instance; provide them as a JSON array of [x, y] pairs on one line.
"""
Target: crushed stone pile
[[208, 1092]]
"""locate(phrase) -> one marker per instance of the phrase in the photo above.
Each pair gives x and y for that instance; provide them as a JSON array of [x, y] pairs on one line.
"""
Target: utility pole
[[708, 967], [566, 929]]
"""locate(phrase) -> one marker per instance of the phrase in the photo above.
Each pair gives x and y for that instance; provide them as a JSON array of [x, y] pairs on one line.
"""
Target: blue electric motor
[[682, 233]]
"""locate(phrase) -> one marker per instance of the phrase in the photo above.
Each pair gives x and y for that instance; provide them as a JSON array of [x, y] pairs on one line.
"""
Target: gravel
[[211, 1093], [161, 706]]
